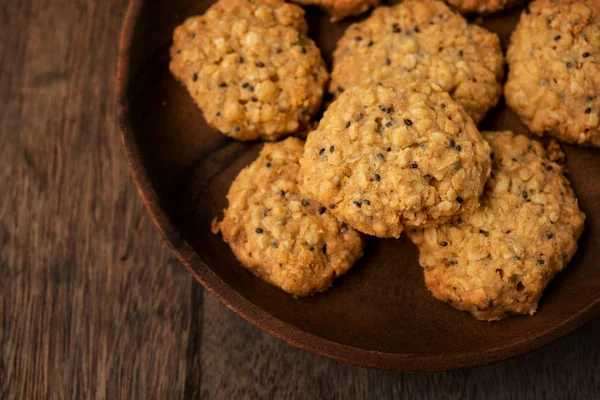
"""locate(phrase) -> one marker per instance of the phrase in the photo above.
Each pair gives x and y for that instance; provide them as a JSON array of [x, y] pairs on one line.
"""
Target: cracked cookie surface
[[250, 67], [554, 70], [422, 41], [383, 158], [498, 260], [279, 234]]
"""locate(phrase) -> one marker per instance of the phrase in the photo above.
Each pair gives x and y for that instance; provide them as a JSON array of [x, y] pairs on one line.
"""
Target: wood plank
[[93, 304], [241, 361]]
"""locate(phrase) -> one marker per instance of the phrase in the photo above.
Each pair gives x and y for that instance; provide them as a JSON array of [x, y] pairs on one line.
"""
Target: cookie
[[497, 261], [250, 67], [554, 70], [279, 234], [384, 158], [422, 41], [482, 6], [340, 9]]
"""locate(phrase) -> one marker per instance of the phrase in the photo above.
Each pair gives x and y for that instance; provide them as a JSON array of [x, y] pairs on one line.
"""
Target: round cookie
[[497, 261], [250, 67], [280, 235], [422, 41], [482, 6], [554, 70], [340, 9], [384, 158]]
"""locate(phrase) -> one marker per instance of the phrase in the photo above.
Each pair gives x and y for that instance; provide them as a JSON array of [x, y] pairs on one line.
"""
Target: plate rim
[[269, 323]]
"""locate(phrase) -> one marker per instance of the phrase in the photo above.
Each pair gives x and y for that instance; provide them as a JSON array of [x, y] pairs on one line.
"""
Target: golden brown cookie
[[498, 260], [482, 6], [554, 70], [340, 9], [281, 235], [250, 67], [422, 41], [383, 158]]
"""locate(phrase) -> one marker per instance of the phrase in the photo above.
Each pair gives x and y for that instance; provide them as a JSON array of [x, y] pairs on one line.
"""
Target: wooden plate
[[380, 314]]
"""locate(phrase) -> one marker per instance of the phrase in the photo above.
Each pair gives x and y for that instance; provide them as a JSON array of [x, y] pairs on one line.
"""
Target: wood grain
[[92, 303]]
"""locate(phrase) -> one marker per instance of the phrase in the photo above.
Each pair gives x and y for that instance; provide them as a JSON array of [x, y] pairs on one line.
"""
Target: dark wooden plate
[[380, 314]]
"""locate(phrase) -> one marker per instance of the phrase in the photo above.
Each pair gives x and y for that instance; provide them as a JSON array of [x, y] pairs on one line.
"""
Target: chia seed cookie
[[250, 67], [554, 70], [498, 260], [384, 158], [340, 9], [422, 41], [482, 6], [279, 234]]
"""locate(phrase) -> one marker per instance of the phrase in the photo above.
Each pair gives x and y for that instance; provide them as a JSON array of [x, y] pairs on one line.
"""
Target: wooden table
[[92, 303]]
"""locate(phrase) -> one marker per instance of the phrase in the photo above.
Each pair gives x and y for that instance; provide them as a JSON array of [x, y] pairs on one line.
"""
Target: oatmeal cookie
[[384, 158], [497, 261], [250, 67], [554, 70], [422, 41], [482, 6], [340, 9], [280, 235]]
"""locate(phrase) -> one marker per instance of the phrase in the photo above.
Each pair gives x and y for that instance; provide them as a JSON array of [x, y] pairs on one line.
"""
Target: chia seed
[[258, 230]]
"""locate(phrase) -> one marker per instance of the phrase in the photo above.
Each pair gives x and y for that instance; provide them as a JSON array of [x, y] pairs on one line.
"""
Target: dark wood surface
[[92, 303]]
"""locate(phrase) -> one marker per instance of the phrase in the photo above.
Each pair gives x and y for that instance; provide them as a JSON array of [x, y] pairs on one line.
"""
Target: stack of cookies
[[398, 149]]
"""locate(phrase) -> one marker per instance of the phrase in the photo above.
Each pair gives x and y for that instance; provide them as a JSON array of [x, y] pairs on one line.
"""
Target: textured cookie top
[[281, 235], [554, 70], [423, 41], [250, 67], [340, 9], [498, 260], [383, 158], [482, 6]]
